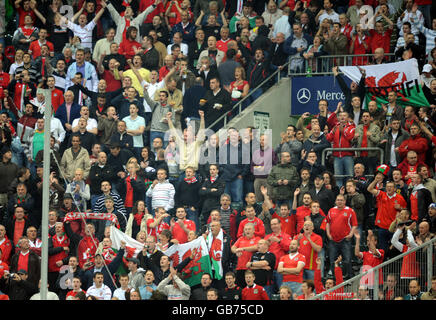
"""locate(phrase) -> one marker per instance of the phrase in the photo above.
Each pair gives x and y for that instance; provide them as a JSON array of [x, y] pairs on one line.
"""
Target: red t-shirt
[[179, 234], [279, 249], [288, 223], [256, 292], [371, 261], [112, 83], [306, 250], [243, 242], [73, 293], [156, 231], [35, 48], [300, 214], [19, 230], [292, 261], [126, 48], [380, 40], [386, 211], [23, 261], [57, 98], [147, 3], [22, 14], [341, 222], [259, 228]]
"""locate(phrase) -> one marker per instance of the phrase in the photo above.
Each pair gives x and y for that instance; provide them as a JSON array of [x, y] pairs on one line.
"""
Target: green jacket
[[283, 172]]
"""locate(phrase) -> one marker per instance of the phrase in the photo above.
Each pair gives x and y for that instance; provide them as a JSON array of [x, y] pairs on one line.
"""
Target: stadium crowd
[[133, 85]]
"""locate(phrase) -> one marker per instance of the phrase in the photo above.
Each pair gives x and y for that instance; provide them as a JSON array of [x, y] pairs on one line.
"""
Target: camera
[[11, 275], [405, 223]]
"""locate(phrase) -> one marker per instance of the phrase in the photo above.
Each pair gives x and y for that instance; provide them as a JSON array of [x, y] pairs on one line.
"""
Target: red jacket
[[415, 143], [56, 251], [6, 248], [403, 166], [342, 140]]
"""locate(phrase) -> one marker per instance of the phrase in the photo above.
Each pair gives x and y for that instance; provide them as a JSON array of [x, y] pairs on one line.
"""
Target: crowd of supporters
[[133, 85]]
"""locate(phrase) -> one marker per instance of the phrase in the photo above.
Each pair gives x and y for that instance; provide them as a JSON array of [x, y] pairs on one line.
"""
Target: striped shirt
[[85, 33], [118, 203], [162, 195], [429, 34]]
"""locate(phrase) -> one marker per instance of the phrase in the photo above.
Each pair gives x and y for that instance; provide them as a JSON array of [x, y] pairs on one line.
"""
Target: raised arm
[[37, 13], [100, 13], [199, 19], [371, 188]]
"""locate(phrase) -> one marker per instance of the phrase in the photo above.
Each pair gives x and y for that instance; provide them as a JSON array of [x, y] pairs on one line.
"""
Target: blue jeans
[[235, 189], [18, 156], [155, 134], [344, 248], [294, 286], [278, 280], [308, 274], [193, 215], [343, 166]]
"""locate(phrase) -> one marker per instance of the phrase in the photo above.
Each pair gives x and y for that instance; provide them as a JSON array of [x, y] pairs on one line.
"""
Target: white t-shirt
[[90, 125], [120, 294], [131, 124]]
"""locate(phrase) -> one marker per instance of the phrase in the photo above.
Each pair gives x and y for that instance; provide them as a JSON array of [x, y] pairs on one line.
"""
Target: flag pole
[[45, 193]]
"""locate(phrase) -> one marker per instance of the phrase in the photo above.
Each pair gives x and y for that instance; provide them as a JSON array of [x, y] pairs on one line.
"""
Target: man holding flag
[[218, 244]]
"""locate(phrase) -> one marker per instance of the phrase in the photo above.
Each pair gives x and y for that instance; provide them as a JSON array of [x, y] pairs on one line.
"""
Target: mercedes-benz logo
[[303, 95]]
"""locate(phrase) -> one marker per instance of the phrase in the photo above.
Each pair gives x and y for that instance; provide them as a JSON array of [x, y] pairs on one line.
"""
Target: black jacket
[[33, 269], [147, 262], [61, 288], [97, 175], [18, 290], [424, 201], [187, 194], [211, 199], [211, 114], [150, 59], [278, 56], [138, 186], [325, 197], [88, 276]]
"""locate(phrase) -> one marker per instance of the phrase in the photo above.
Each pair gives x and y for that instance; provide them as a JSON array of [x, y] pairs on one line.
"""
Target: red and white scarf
[[190, 180]]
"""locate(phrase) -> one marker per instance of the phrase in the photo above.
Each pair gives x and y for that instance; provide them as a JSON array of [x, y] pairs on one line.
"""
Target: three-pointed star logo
[[303, 95]]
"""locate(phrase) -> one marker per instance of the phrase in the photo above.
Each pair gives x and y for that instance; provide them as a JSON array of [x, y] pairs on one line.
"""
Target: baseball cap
[[432, 206], [427, 68], [22, 271]]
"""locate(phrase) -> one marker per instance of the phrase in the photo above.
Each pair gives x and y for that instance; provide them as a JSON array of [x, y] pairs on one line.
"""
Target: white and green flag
[[401, 77], [200, 263]]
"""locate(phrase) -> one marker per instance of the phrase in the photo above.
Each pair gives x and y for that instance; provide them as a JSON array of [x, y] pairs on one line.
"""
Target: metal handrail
[[345, 58], [382, 153], [374, 270], [239, 103]]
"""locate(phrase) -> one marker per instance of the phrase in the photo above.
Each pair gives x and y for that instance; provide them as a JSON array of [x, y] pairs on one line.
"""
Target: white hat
[[427, 68]]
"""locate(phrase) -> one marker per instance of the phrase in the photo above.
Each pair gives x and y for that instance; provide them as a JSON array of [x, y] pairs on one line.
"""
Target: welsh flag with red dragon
[[200, 264], [401, 77]]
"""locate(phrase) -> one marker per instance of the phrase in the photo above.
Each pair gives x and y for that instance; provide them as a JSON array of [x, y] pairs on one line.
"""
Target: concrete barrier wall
[[277, 102]]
